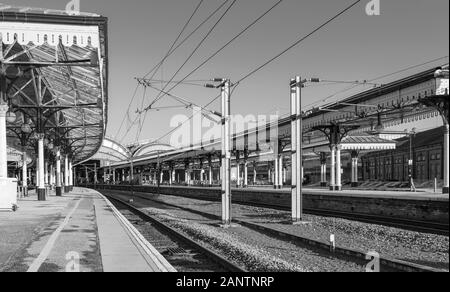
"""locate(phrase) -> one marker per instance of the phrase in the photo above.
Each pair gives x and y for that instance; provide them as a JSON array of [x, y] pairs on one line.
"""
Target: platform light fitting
[[11, 117], [26, 128]]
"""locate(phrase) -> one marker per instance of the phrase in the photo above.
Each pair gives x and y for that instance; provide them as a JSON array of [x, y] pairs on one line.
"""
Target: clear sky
[[355, 47]]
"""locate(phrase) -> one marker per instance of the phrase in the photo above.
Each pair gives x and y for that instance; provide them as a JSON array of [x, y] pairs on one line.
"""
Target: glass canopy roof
[[57, 68]]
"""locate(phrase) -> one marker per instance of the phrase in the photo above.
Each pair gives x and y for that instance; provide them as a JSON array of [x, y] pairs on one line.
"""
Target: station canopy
[[57, 68]]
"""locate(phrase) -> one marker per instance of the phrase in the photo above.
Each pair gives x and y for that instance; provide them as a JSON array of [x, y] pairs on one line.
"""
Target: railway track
[[390, 263], [183, 253], [412, 225]]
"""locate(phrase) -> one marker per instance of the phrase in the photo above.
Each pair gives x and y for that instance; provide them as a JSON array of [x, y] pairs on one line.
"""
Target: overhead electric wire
[[376, 79], [128, 110], [192, 116], [225, 46], [270, 60], [295, 44], [192, 33], [156, 68], [184, 101], [159, 97], [190, 56]]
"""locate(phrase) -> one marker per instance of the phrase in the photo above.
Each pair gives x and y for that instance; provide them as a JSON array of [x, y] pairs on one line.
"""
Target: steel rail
[[218, 259], [399, 265]]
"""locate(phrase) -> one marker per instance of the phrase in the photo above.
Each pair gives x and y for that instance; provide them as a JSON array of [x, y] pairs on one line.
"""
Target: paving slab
[[79, 232]]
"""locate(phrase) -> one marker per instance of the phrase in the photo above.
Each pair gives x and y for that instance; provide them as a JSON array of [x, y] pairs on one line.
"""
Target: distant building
[[427, 149]]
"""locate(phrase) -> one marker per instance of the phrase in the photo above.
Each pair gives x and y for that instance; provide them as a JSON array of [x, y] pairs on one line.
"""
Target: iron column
[[58, 173], [445, 189], [41, 185]]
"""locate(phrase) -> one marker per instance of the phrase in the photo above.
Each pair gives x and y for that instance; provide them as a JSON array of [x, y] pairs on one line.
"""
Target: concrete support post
[[58, 173], [445, 189], [3, 142], [333, 168], [41, 185], [338, 169]]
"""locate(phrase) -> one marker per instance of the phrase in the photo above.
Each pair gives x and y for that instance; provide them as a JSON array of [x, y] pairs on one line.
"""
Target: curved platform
[[81, 231]]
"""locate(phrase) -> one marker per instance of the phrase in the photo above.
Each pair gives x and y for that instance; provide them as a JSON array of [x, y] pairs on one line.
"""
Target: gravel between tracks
[[420, 248], [250, 249]]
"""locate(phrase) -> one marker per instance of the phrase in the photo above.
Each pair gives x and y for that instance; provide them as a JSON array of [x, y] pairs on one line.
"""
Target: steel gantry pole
[[297, 134], [226, 155], [294, 170]]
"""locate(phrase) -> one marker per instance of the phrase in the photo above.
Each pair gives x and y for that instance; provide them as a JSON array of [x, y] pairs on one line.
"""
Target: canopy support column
[[3, 150], [24, 173], [66, 174], [41, 183], [323, 171], [338, 186], [58, 173], [445, 189], [355, 163]]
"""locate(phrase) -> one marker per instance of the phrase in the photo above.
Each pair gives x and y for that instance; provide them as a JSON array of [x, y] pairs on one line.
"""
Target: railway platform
[[81, 231]]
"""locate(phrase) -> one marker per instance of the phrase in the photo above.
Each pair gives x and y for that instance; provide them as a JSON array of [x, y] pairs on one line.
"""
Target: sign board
[[8, 194]]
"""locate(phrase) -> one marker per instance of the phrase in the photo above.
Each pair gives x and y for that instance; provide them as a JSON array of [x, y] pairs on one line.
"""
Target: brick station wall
[[432, 210]]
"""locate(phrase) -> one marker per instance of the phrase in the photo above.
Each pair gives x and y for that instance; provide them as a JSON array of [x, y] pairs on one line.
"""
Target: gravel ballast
[[420, 248], [255, 251]]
